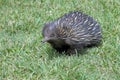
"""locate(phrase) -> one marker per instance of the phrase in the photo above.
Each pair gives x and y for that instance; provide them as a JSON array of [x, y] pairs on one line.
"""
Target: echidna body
[[74, 30]]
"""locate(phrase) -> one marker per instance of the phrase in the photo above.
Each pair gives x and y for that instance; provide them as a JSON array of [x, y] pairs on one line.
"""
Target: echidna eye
[[52, 35]]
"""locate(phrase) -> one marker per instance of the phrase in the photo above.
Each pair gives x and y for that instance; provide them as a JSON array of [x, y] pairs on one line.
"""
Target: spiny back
[[77, 26]]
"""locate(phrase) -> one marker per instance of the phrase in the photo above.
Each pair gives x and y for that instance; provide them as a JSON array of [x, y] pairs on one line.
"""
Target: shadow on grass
[[52, 53]]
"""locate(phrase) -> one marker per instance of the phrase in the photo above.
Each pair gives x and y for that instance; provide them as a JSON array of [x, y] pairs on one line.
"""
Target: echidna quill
[[72, 31]]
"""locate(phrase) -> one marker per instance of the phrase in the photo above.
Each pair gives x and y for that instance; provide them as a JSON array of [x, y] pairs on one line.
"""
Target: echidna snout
[[48, 32]]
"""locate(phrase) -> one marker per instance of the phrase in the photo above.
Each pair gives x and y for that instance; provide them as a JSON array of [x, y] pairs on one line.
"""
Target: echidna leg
[[74, 47], [72, 51]]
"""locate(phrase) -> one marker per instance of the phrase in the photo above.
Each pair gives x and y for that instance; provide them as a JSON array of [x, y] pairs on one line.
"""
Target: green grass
[[23, 57]]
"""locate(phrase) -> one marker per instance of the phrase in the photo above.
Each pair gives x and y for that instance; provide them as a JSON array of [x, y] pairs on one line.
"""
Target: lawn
[[23, 57]]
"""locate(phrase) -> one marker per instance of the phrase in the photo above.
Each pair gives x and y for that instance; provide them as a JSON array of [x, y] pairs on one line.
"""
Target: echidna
[[74, 30]]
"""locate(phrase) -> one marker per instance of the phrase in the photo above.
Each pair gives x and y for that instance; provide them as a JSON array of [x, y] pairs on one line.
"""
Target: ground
[[24, 57]]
